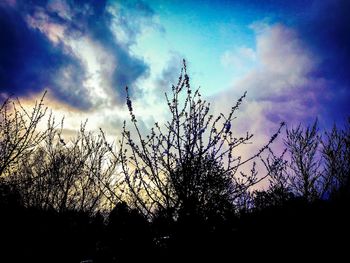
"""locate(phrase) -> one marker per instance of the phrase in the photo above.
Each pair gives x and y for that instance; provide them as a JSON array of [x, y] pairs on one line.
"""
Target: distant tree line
[[176, 193]]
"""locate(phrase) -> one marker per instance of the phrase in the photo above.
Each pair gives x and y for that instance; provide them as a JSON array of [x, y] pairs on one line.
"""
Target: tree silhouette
[[74, 174], [305, 173], [187, 165], [336, 154], [18, 132]]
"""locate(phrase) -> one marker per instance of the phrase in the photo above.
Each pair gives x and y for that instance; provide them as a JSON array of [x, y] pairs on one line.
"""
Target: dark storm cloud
[[30, 60], [93, 19]]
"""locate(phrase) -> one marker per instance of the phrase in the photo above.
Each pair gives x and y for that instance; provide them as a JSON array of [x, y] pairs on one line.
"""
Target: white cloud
[[280, 82], [239, 58], [280, 87]]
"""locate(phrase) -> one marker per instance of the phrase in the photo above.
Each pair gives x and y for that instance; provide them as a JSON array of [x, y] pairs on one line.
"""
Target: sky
[[292, 58]]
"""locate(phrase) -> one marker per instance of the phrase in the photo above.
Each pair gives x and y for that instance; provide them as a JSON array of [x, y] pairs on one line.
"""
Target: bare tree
[[336, 154], [68, 174], [18, 132], [188, 164], [306, 173]]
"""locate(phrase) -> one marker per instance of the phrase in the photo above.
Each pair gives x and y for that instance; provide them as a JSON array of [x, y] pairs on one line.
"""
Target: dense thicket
[[178, 193]]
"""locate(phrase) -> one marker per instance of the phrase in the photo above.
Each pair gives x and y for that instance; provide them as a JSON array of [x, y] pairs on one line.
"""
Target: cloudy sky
[[291, 56]]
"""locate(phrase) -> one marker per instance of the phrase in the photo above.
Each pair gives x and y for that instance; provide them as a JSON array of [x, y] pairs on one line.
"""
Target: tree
[[18, 132], [187, 165], [336, 155], [74, 174], [203, 186], [305, 173]]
